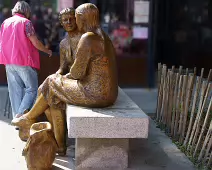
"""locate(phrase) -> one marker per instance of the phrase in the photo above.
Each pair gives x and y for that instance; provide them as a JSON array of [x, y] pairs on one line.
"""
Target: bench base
[[101, 153]]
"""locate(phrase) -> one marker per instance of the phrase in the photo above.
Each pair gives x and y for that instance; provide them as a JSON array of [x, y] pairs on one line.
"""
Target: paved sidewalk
[[144, 98], [156, 153]]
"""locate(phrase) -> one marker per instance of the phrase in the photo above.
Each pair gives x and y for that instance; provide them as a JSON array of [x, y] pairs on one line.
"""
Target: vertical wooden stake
[[159, 89], [204, 125]]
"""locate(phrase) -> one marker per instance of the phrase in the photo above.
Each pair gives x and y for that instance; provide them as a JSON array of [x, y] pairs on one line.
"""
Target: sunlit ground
[[11, 146], [11, 151]]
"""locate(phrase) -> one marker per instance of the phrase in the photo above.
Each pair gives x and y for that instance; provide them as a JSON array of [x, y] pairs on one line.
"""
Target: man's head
[[22, 7], [67, 19], [87, 17]]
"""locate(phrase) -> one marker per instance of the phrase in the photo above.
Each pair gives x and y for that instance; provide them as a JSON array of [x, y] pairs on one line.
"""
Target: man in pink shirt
[[19, 53]]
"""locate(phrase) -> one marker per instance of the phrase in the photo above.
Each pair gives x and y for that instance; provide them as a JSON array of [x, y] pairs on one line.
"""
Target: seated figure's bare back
[[95, 68]]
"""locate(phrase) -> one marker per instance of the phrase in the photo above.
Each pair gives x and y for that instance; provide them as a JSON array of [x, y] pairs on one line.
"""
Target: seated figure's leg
[[39, 107], [59, 126], [49, 117]]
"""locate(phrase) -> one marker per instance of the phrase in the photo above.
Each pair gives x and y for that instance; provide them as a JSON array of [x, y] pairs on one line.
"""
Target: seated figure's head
[[67, 19], [87, 17], [22, 7]]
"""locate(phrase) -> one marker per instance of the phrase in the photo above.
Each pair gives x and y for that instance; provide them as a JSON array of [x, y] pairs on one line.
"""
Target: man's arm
[[63, 63], [39, 45], [30, 33]]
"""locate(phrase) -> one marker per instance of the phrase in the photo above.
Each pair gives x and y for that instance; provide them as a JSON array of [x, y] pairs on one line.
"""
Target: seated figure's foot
[[61, 151], [16, 128], [24, 125], [24, 134], [21, 114], [22, 121], [18, 115]]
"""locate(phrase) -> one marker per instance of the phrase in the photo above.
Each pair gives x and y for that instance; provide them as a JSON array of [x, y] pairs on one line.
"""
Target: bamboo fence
[[184, 111]]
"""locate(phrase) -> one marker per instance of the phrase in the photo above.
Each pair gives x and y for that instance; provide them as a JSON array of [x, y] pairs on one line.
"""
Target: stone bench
[[102, 134]]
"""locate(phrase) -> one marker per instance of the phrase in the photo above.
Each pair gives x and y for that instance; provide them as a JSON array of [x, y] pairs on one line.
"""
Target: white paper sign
[[140, 32], [141, 11]]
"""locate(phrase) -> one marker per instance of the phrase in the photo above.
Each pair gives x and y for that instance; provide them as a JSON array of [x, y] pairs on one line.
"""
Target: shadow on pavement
[[5, 107]]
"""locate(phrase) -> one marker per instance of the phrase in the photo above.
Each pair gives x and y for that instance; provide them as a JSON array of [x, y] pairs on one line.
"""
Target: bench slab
[[102, 134], [101, 153], [122, 120]]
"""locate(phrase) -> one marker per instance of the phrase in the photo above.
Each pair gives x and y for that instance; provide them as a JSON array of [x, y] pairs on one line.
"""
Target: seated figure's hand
[[50, 53], [68, 76], [59, 72]]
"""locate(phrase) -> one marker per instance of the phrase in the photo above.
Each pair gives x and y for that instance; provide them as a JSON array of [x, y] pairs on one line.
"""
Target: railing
[[184, 111]]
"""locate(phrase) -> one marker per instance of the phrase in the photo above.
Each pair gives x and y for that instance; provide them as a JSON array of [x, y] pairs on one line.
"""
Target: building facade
[[128, 23]]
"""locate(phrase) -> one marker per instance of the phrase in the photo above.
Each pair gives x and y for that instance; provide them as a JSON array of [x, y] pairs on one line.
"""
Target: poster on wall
[[61, 4], [140, 32], [141, 11]]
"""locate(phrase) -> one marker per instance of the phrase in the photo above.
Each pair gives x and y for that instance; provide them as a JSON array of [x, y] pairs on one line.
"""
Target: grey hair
[[66, 11], [22, 7]]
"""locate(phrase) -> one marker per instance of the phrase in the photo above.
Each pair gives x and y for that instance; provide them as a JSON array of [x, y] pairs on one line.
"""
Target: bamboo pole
[[195, 71], [209, 76], [198, 113], [205, 96], [186, 73], [171, 92], [200, 117], [185, 79], [204, 124], [160, 96], [159, 73], [163, 91], [187, 103], [180, 70], [169, 99], [178, 105], [210, 161], [166, 102], [207, 137], [208, 148], [194, 103], [159, 88], [177, 76], [192, 116]]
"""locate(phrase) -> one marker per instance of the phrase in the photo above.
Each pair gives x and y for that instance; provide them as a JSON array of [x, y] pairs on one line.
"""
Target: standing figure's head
[[22, 7], [87, 17], [67, 19]]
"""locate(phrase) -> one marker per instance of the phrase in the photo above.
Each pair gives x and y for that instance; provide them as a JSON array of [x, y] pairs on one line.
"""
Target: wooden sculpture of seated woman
[[92, 79]]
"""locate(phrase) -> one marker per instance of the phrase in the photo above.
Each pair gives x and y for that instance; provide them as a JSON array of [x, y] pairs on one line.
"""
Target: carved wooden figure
[[41, 147]]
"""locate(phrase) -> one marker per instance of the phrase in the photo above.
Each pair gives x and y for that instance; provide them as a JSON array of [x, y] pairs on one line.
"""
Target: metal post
[[150, 58]]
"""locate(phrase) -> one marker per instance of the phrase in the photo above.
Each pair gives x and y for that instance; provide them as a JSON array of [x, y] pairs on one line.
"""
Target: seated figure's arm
[[78, 69], [63, 69]]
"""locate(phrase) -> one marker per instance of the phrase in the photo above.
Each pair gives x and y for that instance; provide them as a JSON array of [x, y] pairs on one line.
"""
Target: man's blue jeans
[[22, 86]]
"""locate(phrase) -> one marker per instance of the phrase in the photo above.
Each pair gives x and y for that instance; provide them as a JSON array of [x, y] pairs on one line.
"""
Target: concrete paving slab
[[146, 99]]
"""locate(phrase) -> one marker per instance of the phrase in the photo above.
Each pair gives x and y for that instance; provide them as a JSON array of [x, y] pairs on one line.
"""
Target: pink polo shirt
[[15, 46]]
